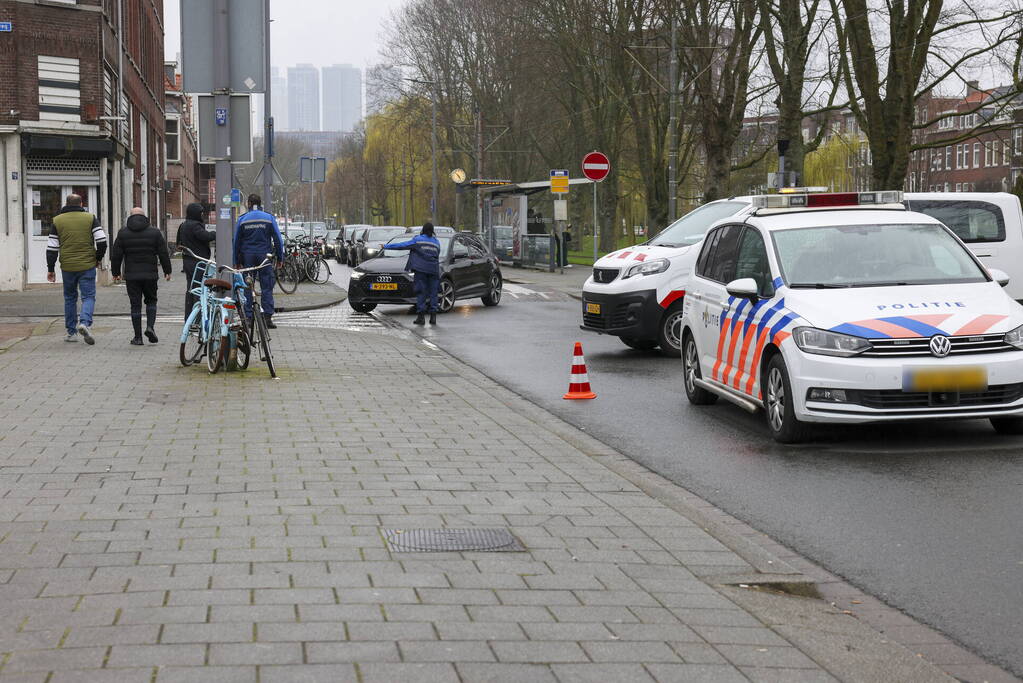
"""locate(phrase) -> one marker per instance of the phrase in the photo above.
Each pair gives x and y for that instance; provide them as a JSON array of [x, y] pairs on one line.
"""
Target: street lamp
[[433, 139]]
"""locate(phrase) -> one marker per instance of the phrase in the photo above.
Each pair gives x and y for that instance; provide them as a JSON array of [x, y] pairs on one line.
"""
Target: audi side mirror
[[743, 288], [999, 276]]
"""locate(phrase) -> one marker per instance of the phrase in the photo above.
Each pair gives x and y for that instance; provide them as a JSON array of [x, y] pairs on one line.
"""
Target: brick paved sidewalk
[[153, 527]]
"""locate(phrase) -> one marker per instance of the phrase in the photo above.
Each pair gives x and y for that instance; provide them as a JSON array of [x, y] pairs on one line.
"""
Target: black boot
[[150, 322], [419, 319], [433, 317], [269, 322], [136, 324]]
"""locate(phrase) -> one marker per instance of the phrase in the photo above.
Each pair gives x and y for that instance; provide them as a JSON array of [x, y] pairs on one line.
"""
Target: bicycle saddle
[[217, 283]]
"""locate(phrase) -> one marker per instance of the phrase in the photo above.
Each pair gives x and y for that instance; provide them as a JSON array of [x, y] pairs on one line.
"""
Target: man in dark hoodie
[[139, 246], [192, 234]]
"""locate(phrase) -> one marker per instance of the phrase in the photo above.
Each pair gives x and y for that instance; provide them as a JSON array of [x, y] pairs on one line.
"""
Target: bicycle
[[207, 328], [253, 330]]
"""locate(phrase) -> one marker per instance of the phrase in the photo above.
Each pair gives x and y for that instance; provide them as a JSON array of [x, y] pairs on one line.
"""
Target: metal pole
[[222, 100], [673, 126], [594, 222], [309, 218], [433, 143], [479, 169], [268, 131]]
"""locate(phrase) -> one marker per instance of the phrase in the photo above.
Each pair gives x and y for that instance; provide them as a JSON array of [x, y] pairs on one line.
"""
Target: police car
[[636, 293], [847, 308]]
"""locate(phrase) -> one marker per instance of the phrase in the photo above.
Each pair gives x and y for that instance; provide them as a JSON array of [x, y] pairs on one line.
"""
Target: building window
[[959, 187], [948, 187], [173, 147], [59, 89], [959, 156], [1017, 139], [948, 157], [1006, 153], [989, 154], [976, 155]]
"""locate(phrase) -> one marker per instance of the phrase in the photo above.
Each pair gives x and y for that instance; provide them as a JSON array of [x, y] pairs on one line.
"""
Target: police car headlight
[[647, 268], [812, 340], [357, 274], [1015, 337]]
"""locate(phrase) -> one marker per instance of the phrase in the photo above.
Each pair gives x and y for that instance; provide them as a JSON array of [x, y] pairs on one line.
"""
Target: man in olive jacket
[[138, 247], [79, 241]]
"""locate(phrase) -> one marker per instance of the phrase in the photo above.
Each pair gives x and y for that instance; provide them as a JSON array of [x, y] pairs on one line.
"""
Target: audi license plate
[[593, 308], [929, 380], [384, 285]]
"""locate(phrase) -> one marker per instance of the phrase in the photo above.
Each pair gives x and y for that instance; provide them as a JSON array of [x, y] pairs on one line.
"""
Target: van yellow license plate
[[930, 380], [389, 286], [593, 308]]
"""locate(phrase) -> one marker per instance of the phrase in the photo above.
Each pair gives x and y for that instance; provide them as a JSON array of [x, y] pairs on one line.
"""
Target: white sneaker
[[71, 338], [86, 334]]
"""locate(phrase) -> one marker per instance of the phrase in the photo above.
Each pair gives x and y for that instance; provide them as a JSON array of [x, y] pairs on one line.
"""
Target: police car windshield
[[406, 238], [873, 256], [691, 228]]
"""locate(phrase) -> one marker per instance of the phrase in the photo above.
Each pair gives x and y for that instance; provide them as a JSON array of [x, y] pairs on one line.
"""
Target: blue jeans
[[266, 284], [426, 285], [85, 280]]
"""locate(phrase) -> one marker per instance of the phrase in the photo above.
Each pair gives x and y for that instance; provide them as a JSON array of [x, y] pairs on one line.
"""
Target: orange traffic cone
[[579, 383]]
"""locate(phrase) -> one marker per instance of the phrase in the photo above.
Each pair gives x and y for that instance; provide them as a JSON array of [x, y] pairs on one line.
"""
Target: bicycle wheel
[[191, 348], [287, 279], [263, 338], [319, 271], [215, 352], [243, 347]]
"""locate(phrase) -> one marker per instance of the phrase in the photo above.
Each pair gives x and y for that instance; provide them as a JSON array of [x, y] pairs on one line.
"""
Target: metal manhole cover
[[451, 540]]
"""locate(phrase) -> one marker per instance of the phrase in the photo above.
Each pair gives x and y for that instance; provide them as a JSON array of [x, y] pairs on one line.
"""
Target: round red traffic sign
[[596, 166]]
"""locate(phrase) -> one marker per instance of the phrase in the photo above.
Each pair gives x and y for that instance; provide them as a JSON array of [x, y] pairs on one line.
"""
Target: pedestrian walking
[[424, 262], [78, 240], [138, 247], [255, 236], [193, 235]]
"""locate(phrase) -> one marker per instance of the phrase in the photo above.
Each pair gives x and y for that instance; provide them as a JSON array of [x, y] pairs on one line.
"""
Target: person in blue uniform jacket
[[255, 236], [424, 262]]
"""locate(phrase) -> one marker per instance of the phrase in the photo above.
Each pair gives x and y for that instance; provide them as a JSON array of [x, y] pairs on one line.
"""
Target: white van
[[990, 223]]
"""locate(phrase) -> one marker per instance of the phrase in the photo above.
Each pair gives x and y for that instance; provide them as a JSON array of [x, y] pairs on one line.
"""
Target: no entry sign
[[596, 166]]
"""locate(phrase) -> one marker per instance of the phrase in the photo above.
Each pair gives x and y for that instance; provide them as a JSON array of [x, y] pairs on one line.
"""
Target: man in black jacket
[[192, 233], [138, 246]]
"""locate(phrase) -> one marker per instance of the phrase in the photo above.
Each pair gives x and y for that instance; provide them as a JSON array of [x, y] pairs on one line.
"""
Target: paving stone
[[55, 660], [207, 674], [309, 673], [304, 632], [376, 631], [421, 673], [693, 673], [445, 651], [157, 655], [207, 633], [112, 635], [601, 673], [255, 653], [619, 651], [506, 673], [138, 675], [367, 651], [538, 652]]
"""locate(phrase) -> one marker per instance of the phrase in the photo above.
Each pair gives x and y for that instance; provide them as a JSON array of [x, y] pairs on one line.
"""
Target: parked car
[[468, 271], [437, 230], [294, 232], [370, 241], [330, 244], [346, 242]]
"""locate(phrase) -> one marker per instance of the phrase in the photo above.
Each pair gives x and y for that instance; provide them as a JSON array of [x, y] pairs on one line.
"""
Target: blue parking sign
[[6, 26]]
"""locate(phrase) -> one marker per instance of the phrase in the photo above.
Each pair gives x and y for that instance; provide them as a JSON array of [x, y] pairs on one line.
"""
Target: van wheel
[[778, 405], [639, 344], [669, 334], [1007, 425], [691, 372]]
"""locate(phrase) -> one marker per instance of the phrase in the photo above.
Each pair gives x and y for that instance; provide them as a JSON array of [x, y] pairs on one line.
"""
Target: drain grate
[[451, 540]]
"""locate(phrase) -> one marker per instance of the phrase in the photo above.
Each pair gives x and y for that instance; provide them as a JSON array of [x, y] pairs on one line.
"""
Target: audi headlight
[[1015, 337], [357, 274], [647, 268], [812, 340]]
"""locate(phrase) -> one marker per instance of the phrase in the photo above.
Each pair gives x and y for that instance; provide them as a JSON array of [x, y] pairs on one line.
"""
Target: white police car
[[848, 308], [636, 293]]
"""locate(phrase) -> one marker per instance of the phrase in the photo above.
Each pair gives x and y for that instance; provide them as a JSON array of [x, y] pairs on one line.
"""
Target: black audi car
[[467, 270]]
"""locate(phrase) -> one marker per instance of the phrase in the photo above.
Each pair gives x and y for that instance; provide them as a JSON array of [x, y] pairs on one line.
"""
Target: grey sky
[[320, 32]]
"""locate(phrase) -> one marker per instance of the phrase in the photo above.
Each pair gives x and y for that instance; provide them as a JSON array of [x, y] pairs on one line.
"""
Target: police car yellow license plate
[[384, 285], [966, 378], [593, 308]]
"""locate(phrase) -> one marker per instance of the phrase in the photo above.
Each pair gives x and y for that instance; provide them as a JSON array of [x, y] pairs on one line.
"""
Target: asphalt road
[[926, 517]]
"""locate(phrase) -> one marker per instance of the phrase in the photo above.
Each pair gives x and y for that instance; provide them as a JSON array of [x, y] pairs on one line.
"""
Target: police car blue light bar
[[826, 199]]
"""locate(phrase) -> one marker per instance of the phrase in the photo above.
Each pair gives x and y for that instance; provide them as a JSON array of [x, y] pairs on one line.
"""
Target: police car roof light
[[826, 200]]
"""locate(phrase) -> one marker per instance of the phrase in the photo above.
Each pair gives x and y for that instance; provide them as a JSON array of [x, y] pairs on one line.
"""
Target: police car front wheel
[[691, 372], [781, 413]]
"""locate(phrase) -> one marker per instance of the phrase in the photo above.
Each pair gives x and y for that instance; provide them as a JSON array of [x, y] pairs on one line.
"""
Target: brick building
[[183, 176], [81, 110]]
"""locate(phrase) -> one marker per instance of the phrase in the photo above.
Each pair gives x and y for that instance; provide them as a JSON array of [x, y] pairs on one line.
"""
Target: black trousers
[[139, 291]]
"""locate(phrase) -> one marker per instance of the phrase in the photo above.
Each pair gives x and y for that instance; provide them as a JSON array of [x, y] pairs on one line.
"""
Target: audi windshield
[[873, 256]]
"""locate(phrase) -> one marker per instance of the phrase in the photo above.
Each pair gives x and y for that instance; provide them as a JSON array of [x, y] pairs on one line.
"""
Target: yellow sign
[[559, 181]]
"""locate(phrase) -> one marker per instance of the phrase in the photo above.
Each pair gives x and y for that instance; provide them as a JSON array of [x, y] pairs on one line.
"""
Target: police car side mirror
[[999, 276], [743, 288]]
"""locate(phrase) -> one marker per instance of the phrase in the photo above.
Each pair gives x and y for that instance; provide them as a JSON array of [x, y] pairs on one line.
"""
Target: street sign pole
[[222, 102], [595, 222], [268, 145], [596, 166]]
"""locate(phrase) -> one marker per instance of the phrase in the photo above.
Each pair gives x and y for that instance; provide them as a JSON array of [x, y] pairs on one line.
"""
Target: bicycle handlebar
[[267, 261], [195, 255]]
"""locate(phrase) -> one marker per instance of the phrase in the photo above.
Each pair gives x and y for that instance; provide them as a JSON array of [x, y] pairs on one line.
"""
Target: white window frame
[[948, 156], [177, 138], [989, 154], [976, 155]]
